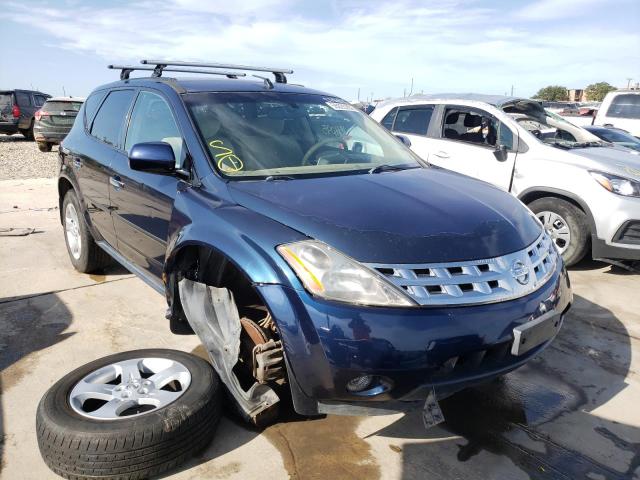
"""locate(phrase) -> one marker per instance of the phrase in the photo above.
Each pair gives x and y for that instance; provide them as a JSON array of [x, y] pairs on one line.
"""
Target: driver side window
[[152, 121]]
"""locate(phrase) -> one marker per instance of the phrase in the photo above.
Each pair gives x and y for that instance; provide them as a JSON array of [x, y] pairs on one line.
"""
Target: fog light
[[359, 384]]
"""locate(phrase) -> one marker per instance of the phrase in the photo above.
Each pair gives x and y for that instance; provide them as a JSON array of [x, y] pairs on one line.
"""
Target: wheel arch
[[535, 193], [64, 185]]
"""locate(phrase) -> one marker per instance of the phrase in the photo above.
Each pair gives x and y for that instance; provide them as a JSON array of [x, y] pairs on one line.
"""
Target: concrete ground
[[572, 413]]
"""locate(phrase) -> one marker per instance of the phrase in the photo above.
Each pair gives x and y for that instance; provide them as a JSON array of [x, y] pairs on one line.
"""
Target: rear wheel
[[566, 224], [129, 416], [28, 133], [44, 146], [85, 255]]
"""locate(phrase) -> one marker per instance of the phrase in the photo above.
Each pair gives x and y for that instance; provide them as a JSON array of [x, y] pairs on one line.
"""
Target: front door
[[469, 139], [142, 202]]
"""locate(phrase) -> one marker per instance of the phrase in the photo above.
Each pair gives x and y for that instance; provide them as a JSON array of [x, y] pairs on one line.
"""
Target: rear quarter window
[[109, 122], [387, 121], [91, 106], [6, 99]]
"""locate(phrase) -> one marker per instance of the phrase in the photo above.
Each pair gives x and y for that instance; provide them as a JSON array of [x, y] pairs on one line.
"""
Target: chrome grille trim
[[475, 281]]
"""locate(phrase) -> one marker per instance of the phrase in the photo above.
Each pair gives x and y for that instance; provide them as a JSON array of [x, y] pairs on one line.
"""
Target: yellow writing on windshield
[[226, 159]]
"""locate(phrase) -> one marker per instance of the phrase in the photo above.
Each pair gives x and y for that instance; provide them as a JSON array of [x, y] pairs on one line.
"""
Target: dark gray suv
[[17, 108]]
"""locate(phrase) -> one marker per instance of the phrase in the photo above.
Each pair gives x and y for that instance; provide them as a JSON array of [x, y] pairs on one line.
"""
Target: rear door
[[93, 166], [469, 138], [412, 121], [142, 202], [25, 102]]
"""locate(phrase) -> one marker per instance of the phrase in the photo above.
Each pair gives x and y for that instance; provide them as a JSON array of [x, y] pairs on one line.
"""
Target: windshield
[[58, 106], [616, 136], [273, 134], [549, 127]]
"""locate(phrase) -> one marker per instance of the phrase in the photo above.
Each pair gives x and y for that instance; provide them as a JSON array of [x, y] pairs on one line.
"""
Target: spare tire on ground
[[131, 415]]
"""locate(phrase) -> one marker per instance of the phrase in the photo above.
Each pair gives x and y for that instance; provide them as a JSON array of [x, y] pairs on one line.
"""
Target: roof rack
[[125, 71], [160, 65]]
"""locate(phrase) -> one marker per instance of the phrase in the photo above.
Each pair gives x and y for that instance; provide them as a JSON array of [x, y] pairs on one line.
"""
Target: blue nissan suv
[[312, 252]]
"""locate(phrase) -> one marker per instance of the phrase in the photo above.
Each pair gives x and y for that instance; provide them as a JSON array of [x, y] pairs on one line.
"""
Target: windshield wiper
[[388, 168], [272, 178]]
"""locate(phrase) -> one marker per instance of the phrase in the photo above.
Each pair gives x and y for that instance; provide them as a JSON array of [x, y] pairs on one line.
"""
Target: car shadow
[[28, 326], [13, 138], [588, 264]]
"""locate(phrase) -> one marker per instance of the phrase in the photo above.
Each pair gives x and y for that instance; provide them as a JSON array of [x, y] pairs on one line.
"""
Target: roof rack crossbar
[[127, 69], [279, 73]]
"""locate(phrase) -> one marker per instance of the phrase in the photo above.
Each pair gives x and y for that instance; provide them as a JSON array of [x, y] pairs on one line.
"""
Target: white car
[[585, 191], [621, 109]]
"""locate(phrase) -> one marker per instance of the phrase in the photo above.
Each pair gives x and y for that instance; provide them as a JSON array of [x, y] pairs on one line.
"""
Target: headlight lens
[[620, 185], [330, 274]]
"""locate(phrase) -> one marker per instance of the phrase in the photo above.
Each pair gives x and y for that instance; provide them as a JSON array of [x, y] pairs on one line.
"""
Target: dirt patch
[[98, 278]]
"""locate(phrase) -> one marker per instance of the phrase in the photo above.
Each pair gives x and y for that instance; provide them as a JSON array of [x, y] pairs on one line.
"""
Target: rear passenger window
[[23, 99], [413, 120], [109, 121], [387, 121]]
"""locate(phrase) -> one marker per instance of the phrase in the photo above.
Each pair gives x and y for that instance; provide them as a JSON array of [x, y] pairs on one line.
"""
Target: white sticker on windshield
[[341, 106]]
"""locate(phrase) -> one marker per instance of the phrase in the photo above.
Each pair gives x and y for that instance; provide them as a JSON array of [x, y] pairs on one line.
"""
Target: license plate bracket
[[531, 334]]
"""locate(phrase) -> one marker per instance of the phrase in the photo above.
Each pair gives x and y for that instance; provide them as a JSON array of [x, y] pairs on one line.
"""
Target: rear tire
[[28, 133], [77, 446], [85, 255], [44, 146], [575, 219]]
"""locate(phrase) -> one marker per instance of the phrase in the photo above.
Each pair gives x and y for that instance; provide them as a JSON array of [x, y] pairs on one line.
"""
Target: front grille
[[629, 233], [475, 281]]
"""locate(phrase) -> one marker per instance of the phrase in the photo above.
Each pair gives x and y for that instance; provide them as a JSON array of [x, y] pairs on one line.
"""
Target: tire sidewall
[[81, 263], [55, 408], [576, 221]]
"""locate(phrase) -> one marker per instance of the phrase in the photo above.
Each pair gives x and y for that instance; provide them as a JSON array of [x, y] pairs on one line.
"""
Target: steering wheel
[[321, 144]]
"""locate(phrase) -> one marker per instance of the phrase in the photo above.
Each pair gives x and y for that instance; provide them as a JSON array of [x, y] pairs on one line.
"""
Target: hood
[[411, 216], [616, 160]]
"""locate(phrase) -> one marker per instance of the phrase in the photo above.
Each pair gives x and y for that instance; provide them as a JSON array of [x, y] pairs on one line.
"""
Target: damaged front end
[[243, 355]]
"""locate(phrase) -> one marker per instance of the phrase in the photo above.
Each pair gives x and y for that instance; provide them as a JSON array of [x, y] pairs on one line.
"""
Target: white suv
[[621, 109], [585, 191]]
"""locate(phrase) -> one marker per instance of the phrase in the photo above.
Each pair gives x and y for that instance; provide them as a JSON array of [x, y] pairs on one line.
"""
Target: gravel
[[20, 158]]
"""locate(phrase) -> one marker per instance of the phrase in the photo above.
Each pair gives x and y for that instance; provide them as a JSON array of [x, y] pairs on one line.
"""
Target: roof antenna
[[267, 83]]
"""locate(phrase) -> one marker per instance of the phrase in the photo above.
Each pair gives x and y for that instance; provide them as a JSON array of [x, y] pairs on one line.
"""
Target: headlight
[[619, 185], [329, 274]]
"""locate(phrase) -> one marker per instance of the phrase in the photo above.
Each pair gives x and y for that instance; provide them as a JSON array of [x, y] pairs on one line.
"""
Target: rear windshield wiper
[[388, 168]]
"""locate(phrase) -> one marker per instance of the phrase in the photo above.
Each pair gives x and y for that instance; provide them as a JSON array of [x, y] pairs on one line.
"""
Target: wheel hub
[[557, 228]]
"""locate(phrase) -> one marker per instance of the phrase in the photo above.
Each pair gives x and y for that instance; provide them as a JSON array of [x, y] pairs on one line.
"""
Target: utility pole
[[358, 93], [512, 90], [64, 93], [411, 91], [629, 82]]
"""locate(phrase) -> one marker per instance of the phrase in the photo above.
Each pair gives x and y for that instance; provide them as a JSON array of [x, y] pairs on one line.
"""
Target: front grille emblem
[[520, 272]]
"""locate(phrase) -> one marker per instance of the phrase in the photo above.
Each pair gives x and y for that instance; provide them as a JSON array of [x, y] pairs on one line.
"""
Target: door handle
[[441, 154], [116, 183]]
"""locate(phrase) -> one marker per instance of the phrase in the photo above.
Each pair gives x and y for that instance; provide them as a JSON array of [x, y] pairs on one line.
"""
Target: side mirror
[[152, 157], [501, 153], [404, 140]]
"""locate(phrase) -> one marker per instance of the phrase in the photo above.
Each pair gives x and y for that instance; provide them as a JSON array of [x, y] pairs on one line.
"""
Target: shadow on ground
[[28, 325]]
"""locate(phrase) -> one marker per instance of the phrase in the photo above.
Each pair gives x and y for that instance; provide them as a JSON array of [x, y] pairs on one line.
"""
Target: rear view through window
[[625, 106], [55, 106]]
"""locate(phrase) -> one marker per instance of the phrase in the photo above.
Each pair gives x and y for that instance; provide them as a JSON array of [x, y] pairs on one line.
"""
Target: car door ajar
[[469, 141], [91, 160], [142, 202]]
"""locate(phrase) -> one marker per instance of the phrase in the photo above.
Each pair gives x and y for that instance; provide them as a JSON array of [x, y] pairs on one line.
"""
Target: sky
[[342, 47]]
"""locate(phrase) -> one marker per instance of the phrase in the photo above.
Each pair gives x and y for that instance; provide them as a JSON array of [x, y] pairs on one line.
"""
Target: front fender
[[245, 238]]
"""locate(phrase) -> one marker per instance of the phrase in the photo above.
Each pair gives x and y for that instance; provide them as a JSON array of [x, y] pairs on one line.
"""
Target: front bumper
[[327, 344], [612, 221]]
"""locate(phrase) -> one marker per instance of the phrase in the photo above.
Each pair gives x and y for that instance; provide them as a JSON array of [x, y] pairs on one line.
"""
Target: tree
[[596, 91], [554, 93]]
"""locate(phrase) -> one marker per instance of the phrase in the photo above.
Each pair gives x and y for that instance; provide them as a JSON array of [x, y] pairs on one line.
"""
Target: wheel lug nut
[[144, 391]]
